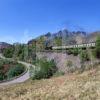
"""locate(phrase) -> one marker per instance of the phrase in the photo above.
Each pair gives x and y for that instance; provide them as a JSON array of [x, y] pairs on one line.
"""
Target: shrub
[[84, 56], [43, 69], [94, 53], [15, 70], [82, 69], [1, 64], [75, 51], [70, 66], [97, 50], [69, 63], [2, 76], [69, 51], [8, 62]]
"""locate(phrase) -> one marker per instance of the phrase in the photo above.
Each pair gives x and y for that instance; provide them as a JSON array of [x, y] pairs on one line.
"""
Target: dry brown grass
[[85, 86]]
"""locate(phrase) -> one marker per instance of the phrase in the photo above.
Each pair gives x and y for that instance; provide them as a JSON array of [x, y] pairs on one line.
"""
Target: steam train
[[48, 47], [85, 45]]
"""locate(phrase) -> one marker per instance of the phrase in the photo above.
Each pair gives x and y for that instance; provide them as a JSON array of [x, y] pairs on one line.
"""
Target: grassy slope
[[85, 86]]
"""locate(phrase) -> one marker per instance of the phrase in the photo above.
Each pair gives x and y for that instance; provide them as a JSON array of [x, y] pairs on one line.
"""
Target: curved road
[[23, 78]]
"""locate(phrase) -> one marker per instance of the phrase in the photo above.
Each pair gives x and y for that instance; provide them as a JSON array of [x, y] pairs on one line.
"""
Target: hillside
[[85, 86], [92, 37], [78, 85], [4, 45], [64, 37]]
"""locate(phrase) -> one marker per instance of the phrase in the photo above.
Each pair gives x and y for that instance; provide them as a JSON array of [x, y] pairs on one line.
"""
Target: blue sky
[[21, 20]]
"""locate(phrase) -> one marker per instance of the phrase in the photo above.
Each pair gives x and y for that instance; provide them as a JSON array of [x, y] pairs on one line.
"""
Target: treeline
[[21, 52], [27, 52]]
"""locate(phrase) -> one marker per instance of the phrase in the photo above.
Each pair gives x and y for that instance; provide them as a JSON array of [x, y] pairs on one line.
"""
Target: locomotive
[[48, 46]]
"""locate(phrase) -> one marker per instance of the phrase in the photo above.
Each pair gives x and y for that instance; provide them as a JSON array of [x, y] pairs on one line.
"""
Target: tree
[[40, 44], [15, 70], [43, 69], [58, 41], [19, 51], [8, 52]]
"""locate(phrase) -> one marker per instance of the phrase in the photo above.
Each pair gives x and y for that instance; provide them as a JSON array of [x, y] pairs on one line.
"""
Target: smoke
[[72, 26], [25, 37]]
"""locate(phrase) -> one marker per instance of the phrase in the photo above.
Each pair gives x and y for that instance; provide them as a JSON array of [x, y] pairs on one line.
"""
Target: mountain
[[65, 37], [92, 36]]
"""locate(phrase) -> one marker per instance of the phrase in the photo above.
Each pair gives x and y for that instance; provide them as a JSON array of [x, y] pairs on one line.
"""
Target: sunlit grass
[[85, 86]]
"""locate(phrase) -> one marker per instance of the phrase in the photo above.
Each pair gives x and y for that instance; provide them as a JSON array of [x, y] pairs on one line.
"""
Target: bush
[[2, 76], [84, 56], [75, 51], [82, 69], [97, 50], [43, 69], [70, 66], [94, 53], [15, 70], [69, 51], [69, 63], [1, 64]]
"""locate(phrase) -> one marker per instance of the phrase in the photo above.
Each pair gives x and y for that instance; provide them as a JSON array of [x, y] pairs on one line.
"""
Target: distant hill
[[4, 45]]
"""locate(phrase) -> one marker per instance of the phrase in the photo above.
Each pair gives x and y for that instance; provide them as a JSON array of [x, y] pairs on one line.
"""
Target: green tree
[[58, 41], [43, 69], [40, 44], [19, 52], [8, 52], [15, 70]]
